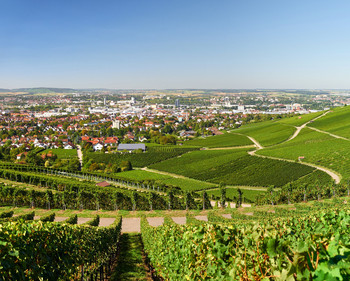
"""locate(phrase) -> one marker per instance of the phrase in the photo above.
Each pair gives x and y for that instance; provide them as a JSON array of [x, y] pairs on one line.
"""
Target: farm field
[[154, 154], [62, 153], [233, 167], [232, 192], [301, 119], [267, 133], [317, 148], [337, 121], [225, 140], [184, 183]]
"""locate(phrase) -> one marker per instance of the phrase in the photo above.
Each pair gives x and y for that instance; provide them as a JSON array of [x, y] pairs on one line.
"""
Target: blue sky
[[174, 44]]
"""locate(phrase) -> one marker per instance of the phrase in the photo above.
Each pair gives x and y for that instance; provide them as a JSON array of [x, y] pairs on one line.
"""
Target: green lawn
[[232, 192], [62, 153], [318, 148], [184, 184], [267, 133], [233, 167], [225, 140], [301, 119], [130, 261], [337, 122]]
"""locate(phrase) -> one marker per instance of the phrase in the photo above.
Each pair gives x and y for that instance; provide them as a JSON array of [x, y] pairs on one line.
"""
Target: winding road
[[335, 176]]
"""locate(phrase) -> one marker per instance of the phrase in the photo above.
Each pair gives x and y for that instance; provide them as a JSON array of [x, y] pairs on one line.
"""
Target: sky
[[175, 44]]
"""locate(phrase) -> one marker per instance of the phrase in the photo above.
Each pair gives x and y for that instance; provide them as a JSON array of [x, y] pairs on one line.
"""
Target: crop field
[[234, 167], [232, 192], [337, 122], [153, 155], [62, 153], [318, 148], [225, 140], [301, 119], [183, 183], [316, 177], [267, 133]]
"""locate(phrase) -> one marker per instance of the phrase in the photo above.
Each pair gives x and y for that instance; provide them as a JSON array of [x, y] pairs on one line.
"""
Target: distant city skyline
[[197, 44]]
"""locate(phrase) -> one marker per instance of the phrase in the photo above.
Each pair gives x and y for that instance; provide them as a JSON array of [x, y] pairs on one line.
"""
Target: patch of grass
[[63, 153], [184, 184], [233, 167], [318, 148], [300, 119], [232, 192], [337, 122], [130, 261], [267, 133], [225, 140]]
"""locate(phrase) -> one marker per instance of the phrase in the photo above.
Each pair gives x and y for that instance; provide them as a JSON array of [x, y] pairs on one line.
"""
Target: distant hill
[[5, 90], [44, 90]]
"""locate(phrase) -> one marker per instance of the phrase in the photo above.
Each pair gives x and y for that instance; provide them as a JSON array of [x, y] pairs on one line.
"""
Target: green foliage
[[7, 214], [51, 251], [234, 167], [336, 121], [308, 247], [225, 140], [73, 219], [48, 218], [267, 133], [94, 222], [152, 155]]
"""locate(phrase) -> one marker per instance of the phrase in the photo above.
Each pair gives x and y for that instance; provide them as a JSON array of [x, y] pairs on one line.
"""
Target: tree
[[223, 196], [125, 165], [239, 197], [270, 191]]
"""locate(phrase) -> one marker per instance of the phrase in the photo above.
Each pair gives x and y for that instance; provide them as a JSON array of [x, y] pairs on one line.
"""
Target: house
[[97, 146], [131, 146]]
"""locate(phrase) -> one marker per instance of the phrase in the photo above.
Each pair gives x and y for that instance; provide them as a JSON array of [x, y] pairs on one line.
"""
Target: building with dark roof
[[131, 146]]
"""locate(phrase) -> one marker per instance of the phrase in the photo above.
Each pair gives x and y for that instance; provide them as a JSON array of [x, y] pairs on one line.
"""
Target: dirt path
[[131, 225], [179, 220], [83, 220], [257, 144], [60, 219], [202, 218], [164, 173], [106, 221], [296, 133], [327, 133], [232, 147], [336, 177], [155, 221], [80, 155]]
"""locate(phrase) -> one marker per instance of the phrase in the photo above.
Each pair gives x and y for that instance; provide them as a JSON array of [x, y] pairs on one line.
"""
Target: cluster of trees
[[108, 168]]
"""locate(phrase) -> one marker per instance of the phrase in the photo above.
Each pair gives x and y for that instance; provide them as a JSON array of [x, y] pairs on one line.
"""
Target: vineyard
[[267, 133], [287, 246], [234, 167], [152, 155], [53, 221], [225, 140]]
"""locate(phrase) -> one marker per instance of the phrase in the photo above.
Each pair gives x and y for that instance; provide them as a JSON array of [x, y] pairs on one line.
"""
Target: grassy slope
[[232, 191], [267, 133], [130, 261], [336, 122], [63, 153], [184, 184], [225, 140], [233, 167], [317, 148], [300, 120]]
